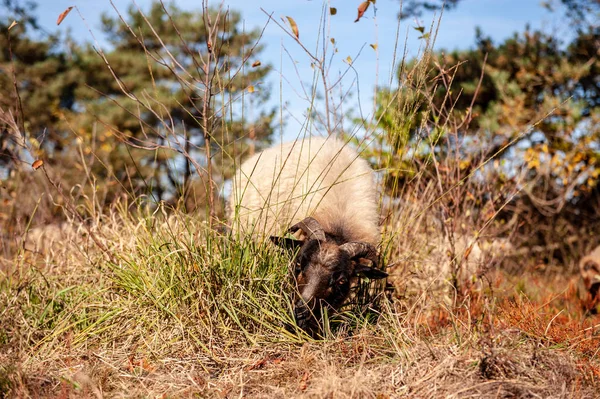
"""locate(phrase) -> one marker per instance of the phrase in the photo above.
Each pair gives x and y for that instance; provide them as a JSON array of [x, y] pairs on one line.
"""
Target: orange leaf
[[255, 64], [258, 365], [145, 365], [361, 9], [37, 163], [468, 251], [294, 27], [63, 15], [304, 381]]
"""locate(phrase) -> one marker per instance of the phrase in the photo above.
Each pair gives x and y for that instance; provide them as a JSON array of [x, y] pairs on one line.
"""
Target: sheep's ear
[[369, 272], [286, 242]]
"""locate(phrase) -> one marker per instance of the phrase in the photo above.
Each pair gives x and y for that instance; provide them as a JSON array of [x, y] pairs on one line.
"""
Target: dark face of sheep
[[590, 272], [323, 271]]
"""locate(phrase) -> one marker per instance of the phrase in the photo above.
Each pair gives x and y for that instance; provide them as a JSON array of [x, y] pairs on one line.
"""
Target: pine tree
[[129, 120], [149, 92], [37, 84]]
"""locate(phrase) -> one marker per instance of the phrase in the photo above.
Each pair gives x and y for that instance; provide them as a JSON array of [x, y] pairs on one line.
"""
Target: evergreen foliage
[[132, 119], [529, 103]]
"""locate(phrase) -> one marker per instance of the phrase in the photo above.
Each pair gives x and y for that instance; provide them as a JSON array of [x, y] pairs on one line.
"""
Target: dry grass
[[183, 312], [360, 366]]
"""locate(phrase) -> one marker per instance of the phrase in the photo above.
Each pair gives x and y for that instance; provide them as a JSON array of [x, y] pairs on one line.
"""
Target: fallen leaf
[[146, 365], [258, 365], [255, 64], [63, 15], [224, 393], [131, 363], [12, 25], [468, 251], [37, 163], [304, 381], [294, 27], [361, 9]]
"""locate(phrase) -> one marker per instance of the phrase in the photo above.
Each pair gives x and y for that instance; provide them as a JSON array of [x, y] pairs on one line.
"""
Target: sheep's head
[[589, 269], [323, 271]]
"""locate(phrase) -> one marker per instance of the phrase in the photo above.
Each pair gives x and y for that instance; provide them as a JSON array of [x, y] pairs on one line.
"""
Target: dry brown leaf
[[146, 365], [258, 365], [63, 15], [294, 27], [224, 392], [37, 163], [364, 6], [12, 25], [468, 251], [130, 362], [304, 381], [255, 64], [332, 10]]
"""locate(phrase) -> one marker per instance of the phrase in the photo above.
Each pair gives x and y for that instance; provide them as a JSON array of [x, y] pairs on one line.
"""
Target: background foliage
[[519, 119], [129, 120], [530, 104]]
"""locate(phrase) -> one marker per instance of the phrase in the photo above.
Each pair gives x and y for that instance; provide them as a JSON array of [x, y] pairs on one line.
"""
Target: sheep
[[326, 193], [589, 269]]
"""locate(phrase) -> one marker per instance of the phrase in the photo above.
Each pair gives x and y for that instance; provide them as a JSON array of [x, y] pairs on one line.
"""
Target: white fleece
[[319, 177]]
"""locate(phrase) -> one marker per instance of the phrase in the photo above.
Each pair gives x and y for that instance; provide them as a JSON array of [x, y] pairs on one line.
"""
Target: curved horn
[[360, 250], [311, 228], [363, 250]]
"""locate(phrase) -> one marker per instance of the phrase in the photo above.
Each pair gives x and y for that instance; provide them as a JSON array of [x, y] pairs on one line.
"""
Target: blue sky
[[497, 18]]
